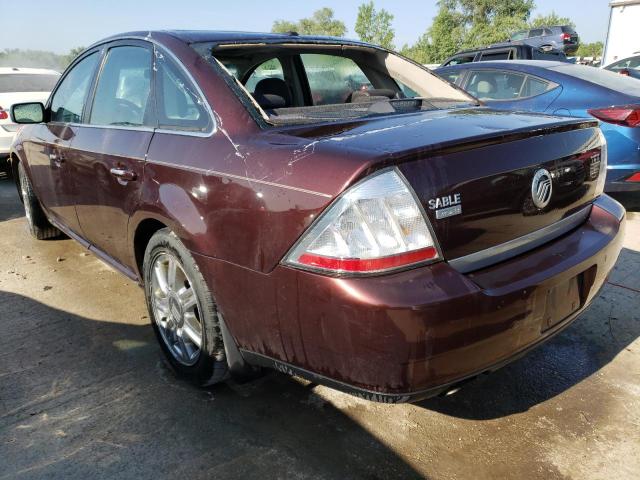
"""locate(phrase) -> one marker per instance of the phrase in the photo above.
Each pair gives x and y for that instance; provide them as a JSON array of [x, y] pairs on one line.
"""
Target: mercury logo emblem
[[541, 188]]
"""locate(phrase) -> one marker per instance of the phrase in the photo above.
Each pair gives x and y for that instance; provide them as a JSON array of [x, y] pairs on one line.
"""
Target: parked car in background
[[392, 241], [19, 85], [627, 66], [508, 51], [566, 89], [557, 37]]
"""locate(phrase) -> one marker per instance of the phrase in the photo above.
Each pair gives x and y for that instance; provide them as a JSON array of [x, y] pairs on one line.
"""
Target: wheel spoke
[[171, 274], [160, 276], [188, 298], [191, 328]]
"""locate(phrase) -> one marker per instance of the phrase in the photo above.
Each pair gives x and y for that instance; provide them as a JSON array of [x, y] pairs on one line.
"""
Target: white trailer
[[622, 39]]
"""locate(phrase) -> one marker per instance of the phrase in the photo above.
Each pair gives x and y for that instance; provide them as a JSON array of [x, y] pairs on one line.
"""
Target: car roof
[[221, 36], [506, 63], [27, 71]]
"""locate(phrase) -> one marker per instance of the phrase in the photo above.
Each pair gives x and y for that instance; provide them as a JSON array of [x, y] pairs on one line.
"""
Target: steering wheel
[[131, 109]]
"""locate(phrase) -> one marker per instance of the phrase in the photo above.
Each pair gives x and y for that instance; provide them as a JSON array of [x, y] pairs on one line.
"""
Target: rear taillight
[[565, 36], [375, 226], [628, 115], [3, 114], [634, 178]]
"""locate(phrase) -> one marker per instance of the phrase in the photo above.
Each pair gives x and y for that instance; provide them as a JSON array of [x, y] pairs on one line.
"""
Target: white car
[[20, 85]]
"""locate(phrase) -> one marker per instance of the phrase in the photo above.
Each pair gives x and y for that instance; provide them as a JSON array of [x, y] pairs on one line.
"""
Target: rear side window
[[124, 88], [533, 87], [495, 85], [459, 60], [499, 55], [269, 69], [332, 79], [179, 105], [536, 32], [69, 99], [27, 82]]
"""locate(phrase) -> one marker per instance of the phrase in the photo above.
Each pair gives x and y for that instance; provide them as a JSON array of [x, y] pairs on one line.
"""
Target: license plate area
[[566, 298]]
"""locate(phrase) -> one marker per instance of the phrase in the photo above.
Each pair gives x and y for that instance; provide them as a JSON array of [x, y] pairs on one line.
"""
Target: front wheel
[[39, 225], [182, 311]]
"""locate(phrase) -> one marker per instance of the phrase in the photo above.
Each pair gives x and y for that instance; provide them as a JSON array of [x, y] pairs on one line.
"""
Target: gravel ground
[[85, 394]]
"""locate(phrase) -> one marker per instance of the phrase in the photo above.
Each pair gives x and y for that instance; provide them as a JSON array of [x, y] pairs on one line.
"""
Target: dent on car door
[[110, 148], [52, 175]]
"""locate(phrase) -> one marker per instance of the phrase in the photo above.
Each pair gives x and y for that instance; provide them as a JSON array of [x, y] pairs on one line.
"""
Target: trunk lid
[[473, 170]]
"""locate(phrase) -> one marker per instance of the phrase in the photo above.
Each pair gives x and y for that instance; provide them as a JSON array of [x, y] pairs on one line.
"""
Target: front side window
[[69, 99], [451, 76], [179, 105], [332, 79], [124, 88]]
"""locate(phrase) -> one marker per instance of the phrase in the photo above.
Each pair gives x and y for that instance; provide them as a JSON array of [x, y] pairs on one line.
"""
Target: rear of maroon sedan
[[495, 276], [460, 238]]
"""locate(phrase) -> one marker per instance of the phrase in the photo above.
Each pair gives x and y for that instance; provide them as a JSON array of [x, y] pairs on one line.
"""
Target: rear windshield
[[566, 29], [306, 83], [27, 82], [604, 78]]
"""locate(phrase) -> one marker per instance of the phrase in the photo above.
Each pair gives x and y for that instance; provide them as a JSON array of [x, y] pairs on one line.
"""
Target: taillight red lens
[[367, 264], [628, 116], [565, 36], [3, 114], [634, 178]]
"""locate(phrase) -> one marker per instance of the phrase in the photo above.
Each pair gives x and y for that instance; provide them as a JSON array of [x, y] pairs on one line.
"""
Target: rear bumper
[[416, 333]]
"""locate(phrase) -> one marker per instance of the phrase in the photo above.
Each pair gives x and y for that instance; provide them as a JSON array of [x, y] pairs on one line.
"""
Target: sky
[[61, 25]]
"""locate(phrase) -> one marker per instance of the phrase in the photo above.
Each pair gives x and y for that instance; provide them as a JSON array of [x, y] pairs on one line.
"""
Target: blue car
[[565, 89]]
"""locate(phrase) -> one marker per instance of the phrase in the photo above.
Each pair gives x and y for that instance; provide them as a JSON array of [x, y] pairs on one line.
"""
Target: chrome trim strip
[[237, 177], [611, 206], [512, 248]]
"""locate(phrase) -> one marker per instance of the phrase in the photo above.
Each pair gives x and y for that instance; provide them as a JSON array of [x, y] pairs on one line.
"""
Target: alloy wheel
[[176, 309]]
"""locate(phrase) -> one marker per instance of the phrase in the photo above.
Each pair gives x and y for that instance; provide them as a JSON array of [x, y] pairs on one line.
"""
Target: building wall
[[622, 38]]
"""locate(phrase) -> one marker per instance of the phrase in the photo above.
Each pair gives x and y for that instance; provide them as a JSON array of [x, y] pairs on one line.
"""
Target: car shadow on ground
[[85, 398], [608, 327], [9, 207]]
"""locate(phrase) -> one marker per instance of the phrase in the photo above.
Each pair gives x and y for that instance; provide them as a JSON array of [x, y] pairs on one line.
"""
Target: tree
[[73, 53], [374, 27], [463, 24], [590, 50], [550, 20], [320, 23]]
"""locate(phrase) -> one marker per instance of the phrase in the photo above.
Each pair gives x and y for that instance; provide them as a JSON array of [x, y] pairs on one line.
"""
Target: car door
[[52, 175], [109, 149]]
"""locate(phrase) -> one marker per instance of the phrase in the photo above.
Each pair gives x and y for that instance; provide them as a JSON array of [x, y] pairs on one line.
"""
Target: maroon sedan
[[319, 206]]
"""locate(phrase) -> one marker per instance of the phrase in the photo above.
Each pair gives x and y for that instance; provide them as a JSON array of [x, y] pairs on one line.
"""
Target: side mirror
[[27, 112]]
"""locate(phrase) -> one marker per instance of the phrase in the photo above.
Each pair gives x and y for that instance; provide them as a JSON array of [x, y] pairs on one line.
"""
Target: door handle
[[123, 174]]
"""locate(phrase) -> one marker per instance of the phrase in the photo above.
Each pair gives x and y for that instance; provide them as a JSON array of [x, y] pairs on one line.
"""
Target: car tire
[[37, 220], [175, 320]]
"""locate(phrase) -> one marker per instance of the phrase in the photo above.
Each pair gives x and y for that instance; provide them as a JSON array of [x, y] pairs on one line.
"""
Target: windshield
[[27, 82], [301, 83], [604, 78]]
